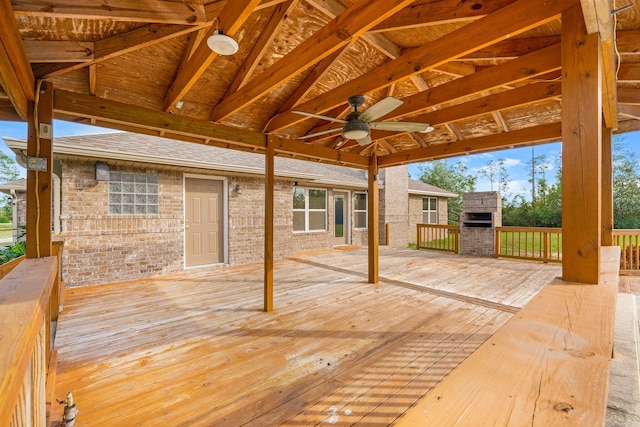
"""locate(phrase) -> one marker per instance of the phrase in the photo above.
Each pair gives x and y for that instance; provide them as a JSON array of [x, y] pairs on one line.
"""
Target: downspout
[[56, 204]]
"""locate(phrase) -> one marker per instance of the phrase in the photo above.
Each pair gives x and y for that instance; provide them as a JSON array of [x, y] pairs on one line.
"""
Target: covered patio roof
[[484, 74]]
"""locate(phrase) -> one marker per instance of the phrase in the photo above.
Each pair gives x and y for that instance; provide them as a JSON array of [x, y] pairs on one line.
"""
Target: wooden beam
[[506, 22], [40, 183], [265, 40], [598, 20], [316, 74], [58, 51], [442, 12], [628, 95], [628, 41], [313, 152], [231, 19], [16, 76], [163, 12], [581, 150], [514, 138], [491, 103], [527, 67], [629, 73], [373, 214], [352, 23], [607, 186], [122, 44], [77, 105], [269, 183]]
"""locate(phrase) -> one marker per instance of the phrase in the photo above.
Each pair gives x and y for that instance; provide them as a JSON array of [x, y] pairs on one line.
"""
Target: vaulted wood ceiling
[[485, 73]]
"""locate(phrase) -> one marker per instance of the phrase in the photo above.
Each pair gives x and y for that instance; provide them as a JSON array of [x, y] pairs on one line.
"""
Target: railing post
[[498, 245], [418, 236], [546, 246]]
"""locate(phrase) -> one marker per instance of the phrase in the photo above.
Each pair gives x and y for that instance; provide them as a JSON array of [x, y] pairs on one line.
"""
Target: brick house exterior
[[104, 245]]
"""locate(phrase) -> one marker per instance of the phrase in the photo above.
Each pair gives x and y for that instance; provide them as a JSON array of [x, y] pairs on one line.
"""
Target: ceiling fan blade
[[380, 109], [401, 126], [323, 132], [319, 116], [364, 141]]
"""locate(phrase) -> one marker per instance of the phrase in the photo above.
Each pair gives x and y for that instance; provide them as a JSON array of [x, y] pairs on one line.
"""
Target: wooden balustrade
[[438, 237], [30, 300], [25, 306], [531, 243], [629, 243]]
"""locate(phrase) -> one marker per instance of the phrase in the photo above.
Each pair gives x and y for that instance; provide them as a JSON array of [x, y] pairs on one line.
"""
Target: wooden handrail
[[25, 294], [438, 237], [530, 243]]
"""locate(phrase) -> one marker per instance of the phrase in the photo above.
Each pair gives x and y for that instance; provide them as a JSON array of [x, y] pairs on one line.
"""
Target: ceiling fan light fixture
[[355, 130], [222, 44]]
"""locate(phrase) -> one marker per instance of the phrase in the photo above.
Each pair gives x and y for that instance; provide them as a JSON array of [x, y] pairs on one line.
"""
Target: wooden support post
[[40, 183], [268, 226], [607, 186], [581, 150], [372, 212]]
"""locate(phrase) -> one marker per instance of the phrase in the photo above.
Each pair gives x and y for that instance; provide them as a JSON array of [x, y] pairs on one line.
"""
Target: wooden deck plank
[[547, 366], [196, 349]]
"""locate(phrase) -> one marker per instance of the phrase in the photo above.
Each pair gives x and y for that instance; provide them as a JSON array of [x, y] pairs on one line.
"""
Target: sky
[[515, 159]]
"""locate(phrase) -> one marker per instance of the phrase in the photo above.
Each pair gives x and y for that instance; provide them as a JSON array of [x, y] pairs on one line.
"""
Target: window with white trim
[[133, 193], [309, 209], [429, 210], [360, 210]]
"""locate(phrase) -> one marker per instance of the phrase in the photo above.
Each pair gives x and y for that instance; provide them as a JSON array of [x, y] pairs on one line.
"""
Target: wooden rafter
[[161, 12], [352, 23], [489, 104], [629, 73], [231, 19], [333, 9], [508, 21], [441, 12], [526, 67], [274, 24], [59, 51], [16, 76], [520, 137], [316, 74], [122, 44]]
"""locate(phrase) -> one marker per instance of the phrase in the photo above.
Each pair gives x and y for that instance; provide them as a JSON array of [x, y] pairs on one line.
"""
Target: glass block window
[[309, 209], [133, 193], [429, 210], [360, 209]]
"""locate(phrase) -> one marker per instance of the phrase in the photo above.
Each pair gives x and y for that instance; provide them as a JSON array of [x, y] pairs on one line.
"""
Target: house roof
[[18, 185], [125, 146], [486, 74]]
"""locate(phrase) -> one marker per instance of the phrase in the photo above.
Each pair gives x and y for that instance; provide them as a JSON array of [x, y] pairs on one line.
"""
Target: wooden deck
[[195, 349]]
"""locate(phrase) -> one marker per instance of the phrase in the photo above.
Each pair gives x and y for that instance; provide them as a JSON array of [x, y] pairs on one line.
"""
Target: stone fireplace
[[481, 214]]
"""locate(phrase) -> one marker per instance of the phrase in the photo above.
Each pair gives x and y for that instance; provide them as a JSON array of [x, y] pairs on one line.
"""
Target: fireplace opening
[[478, 219]]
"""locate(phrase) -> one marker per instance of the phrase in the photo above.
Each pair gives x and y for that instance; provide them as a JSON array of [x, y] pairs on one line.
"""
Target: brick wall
[[101, 247], [415, 213], [480, 241], [394, 207]]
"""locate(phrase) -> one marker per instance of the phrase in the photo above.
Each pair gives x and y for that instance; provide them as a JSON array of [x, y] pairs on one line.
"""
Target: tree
[[496, 171], [626, 186], [452, 177], [8, 172]]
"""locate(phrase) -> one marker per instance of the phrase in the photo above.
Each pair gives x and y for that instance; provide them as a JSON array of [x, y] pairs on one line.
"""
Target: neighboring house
[[139, 206]]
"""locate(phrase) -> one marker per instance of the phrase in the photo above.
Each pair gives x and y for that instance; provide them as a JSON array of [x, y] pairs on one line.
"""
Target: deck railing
[[531, 243], [629, 243], [29, 304], [438, 237]]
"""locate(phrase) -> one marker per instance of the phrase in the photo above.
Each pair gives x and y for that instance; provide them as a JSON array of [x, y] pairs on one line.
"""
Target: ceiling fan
[[358, 124]]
